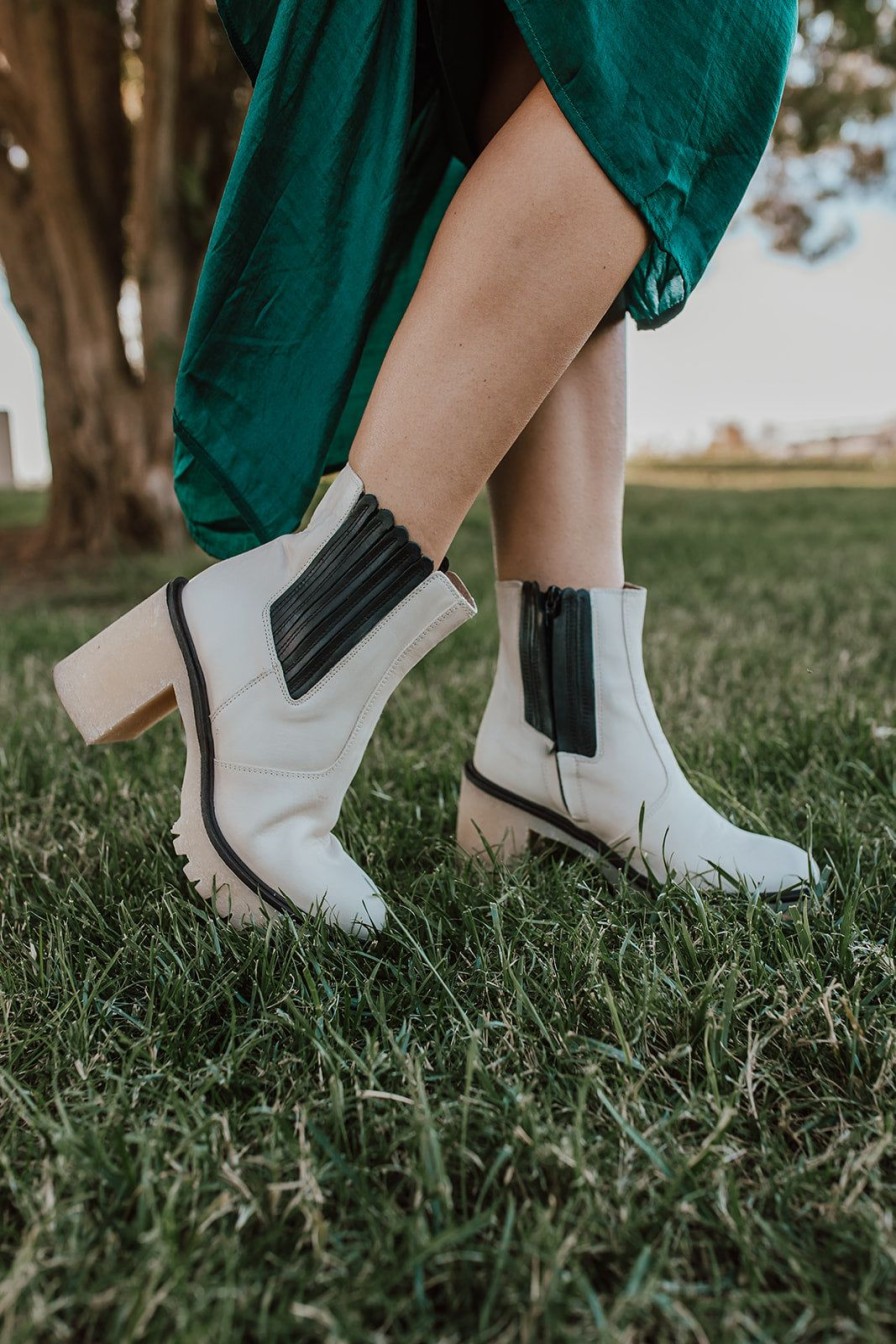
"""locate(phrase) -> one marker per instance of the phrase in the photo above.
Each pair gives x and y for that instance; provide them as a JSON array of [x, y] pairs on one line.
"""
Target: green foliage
[[839, 97], [864, 24], [850, 48], [533, 1109]]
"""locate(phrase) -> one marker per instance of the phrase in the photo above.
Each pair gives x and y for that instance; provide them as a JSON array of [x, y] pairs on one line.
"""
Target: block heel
[[122, 681], [490, 829]]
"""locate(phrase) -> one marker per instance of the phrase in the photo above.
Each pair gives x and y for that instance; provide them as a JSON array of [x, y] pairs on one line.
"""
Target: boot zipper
[[572, 670], [553, 599]]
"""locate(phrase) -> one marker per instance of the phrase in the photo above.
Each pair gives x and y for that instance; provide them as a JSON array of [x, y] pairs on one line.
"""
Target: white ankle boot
[[280, 662], [570, 747]]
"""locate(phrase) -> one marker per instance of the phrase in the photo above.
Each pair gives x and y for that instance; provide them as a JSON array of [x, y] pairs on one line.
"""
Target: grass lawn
[[532, 1109], [22, 508]]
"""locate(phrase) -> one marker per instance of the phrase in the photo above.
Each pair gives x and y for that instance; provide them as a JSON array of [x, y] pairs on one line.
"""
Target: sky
[[763, 339], [766, 338]]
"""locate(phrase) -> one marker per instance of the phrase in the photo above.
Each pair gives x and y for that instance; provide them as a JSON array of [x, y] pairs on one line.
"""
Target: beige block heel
[[120, 683], [489, 829]]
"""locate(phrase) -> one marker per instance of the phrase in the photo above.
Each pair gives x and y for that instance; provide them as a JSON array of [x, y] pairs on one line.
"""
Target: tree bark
[[99, 201], [37, 299], [157, 236]]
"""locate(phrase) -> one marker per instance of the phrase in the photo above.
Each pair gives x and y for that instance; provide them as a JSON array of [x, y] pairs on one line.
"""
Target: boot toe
[[797, 869], [362, 914], [324, 879], [772, 867]]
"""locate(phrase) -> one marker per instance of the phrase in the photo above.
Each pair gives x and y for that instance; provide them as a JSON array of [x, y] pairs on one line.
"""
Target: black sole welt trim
[[207, 757], [603, 851]]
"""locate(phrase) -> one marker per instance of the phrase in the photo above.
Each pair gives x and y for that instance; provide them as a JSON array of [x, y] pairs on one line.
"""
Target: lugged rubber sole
[[495, 826], [122, 682]]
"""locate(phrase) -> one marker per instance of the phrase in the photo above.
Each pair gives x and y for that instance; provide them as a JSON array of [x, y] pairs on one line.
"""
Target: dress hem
[[644, 317], [243, 508]]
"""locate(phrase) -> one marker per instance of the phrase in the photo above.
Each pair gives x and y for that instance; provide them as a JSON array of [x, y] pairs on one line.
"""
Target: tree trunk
[[71, 229], [66, 273], [185, 132]]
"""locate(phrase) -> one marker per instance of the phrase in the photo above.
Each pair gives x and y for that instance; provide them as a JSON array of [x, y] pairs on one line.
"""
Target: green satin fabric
[[354, 143]]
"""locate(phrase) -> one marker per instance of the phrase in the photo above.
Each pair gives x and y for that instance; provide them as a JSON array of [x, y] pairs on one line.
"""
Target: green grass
[[533, 1109], [22, 508]]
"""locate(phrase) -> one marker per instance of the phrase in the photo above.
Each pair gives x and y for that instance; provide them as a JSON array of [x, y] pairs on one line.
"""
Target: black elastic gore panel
[[363, 571]]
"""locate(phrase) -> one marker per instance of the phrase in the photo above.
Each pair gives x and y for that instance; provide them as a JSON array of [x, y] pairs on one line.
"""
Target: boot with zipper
[[280, 662], [570, 747]]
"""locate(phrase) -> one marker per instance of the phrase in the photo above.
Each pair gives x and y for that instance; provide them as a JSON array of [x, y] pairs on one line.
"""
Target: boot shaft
[[567, 658], [570, 711], [319, 624]]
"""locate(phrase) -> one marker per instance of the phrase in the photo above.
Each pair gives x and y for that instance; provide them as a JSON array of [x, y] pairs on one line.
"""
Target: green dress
[[357, 135]]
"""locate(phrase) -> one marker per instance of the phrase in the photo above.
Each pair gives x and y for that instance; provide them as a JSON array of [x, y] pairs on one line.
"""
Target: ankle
[[412, 505]]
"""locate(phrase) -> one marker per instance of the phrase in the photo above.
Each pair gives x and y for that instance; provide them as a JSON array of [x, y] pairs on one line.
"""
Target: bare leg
[[557, 495], [532, 252], [556, 501]]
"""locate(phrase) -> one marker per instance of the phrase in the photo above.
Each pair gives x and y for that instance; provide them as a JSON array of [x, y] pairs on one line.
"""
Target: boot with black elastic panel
[[280, 662], [570, 747]]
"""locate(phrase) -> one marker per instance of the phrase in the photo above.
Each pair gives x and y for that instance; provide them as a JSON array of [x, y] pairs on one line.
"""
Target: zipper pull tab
[[552, 600]]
